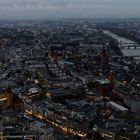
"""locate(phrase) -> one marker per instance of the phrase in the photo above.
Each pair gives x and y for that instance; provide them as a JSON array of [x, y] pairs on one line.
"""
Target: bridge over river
[[128, 47]]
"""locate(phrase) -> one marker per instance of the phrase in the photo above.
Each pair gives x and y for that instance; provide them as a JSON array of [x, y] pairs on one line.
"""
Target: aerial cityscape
[[70, 79], [69, 70]]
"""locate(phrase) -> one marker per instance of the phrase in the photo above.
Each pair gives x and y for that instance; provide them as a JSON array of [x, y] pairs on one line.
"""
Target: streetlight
[[138, 87]]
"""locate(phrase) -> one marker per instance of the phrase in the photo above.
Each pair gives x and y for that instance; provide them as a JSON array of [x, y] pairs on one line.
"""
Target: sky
[[46, 9]]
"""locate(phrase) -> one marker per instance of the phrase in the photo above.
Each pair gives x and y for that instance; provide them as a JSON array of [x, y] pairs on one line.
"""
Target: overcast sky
[[43, 9]]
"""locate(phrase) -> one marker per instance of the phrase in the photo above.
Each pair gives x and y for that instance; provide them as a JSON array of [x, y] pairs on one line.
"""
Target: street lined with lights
[[57, 126]]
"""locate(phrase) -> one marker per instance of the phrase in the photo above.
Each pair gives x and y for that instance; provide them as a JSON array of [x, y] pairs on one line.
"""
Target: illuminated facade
[[5, 100]]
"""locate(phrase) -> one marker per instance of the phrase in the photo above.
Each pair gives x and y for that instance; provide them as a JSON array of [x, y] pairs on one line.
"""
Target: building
[[5, 99], [93, 96], [103, 86], [45, 130], [133, 102]]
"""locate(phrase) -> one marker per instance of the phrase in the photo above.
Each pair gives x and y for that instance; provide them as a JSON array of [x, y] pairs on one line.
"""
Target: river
[[124, 43]]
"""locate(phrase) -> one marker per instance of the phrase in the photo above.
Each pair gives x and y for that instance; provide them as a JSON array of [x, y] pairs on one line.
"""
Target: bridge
[[133, 56], [129, 46]]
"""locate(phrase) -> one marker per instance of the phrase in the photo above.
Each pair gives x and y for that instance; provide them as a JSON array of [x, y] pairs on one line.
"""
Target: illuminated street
[[64, 129]]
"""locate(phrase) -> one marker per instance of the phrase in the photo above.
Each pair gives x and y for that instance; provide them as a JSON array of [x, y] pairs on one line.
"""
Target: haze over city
[[69, 70], [43, 9]]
